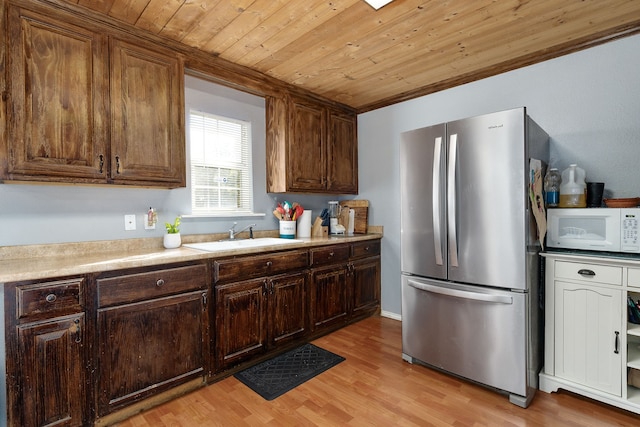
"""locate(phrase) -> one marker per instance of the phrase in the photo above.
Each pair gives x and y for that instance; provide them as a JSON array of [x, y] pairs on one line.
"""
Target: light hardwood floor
[[375, 387]]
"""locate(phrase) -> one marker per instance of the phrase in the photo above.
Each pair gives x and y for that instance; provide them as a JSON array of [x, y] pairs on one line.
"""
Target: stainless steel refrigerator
[[470, 302]]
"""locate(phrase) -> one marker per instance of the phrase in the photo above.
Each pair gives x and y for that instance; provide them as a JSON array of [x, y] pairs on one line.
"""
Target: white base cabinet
[[587, 336], [590, 348]]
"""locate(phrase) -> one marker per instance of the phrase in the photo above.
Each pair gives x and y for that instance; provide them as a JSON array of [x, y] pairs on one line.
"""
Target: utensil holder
[[287, 229]]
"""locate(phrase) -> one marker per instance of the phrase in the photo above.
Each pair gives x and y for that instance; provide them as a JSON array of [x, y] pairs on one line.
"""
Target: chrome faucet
[[233, 232]]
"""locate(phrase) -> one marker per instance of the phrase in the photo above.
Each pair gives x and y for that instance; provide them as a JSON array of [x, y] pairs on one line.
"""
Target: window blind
[[221, 180]]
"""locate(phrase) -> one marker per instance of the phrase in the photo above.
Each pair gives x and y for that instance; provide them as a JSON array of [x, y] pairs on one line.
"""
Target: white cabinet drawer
[[589, 272], [633, 277]]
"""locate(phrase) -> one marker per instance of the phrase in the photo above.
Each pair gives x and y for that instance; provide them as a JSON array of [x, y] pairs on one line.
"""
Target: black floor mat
[[276, 376]]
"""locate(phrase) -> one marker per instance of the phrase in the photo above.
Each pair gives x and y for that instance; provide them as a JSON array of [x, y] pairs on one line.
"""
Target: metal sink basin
[[225, 245]]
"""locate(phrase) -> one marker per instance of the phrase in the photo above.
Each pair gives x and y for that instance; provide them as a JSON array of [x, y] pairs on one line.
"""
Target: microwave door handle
[[435, 203], [451, 200]]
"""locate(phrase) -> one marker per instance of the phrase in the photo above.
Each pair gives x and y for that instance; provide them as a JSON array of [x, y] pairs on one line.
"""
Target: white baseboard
[[390, 315]]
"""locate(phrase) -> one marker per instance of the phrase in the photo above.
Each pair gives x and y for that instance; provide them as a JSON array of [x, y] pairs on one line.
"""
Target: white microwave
[[594, 229]]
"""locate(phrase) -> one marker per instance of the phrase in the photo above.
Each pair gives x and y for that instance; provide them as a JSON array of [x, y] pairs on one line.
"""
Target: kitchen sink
[[224, 245]]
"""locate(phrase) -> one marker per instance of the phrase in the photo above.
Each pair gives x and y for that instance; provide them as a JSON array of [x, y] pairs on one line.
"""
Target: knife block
[[318, 230]]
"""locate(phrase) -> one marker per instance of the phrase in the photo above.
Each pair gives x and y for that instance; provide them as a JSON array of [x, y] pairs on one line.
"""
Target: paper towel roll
[[304, 224]]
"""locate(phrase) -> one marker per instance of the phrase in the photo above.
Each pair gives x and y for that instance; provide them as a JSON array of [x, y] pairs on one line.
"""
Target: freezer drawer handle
[[586, 272], [500, 299]]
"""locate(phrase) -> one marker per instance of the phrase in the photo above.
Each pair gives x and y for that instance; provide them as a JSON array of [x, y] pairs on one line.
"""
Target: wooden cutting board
[[361, 210]]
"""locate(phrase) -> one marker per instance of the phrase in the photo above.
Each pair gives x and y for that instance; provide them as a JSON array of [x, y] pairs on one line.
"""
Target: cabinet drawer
[[248, 267], [329, 255], [633, 277], [58, 297], [365, 249], [150, 284], [588, 272]]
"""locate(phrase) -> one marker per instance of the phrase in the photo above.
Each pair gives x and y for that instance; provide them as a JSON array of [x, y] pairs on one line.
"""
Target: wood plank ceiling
[[346, 51]]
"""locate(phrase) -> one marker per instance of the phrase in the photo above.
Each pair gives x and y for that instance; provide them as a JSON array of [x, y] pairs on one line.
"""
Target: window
[[221, 181]]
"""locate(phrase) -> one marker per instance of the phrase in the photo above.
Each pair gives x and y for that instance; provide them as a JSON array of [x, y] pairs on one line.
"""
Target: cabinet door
[[329, 296], [306, 149], [240, 321], [53, 377], [149, 347], [588, 322], [147, 120], [342, 163], [365, 279], [58, 91], [288, 318]]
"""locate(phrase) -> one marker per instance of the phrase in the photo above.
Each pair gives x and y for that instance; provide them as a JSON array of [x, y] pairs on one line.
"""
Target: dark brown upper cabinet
[[311, 147], [85, 106]]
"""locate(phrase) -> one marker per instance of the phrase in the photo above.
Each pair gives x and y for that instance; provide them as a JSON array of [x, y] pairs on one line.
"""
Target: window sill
[[223, 215]]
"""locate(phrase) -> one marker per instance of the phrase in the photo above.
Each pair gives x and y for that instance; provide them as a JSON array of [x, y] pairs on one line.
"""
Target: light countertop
[[34, 262]]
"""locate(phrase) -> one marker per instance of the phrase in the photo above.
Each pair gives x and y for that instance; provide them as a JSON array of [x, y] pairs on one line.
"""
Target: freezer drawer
[[474, 332]]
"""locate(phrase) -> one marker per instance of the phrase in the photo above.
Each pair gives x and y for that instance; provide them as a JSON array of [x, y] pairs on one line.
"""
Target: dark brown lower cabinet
[[346, 285], [241, 314], [46, 345], [81, 349], [53, 372], [255, 315], [365, 285], [329, 300], [329, 296], [152, 333], [364, 272], [287, 308], [159, 345]]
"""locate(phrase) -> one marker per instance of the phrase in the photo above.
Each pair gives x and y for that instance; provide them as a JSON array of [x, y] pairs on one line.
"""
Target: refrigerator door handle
[[498, 299], [451, 200], [437, 230]]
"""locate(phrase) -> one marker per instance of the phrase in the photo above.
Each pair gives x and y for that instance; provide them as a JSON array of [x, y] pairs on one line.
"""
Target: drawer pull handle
[[160, 282], [51, 298], [331, 254], [269, 263], [366, 249], [586, 272]]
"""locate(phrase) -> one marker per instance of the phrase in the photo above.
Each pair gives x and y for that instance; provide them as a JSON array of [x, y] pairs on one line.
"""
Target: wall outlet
[[129, 222]]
